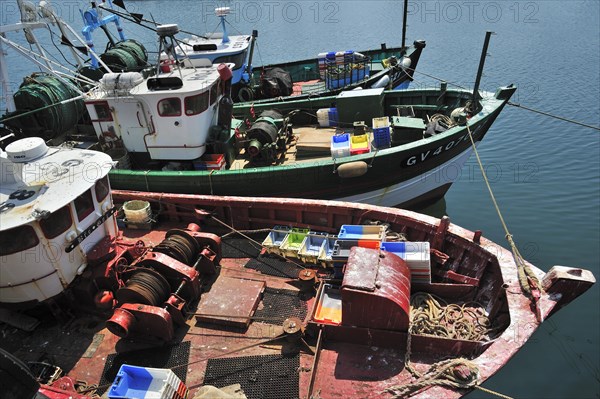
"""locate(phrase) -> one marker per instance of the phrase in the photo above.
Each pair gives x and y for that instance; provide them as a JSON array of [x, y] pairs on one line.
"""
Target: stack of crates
[[359, 144], [354, 236], [340, 145], [147, 383], [381, 132], [417, 257], [210, 162]]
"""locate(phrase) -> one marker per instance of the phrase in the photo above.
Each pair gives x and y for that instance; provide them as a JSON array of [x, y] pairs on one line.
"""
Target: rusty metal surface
[[230, 301]]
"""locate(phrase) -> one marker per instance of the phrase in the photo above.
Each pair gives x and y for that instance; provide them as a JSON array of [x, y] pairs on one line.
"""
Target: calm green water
[[545, 173]]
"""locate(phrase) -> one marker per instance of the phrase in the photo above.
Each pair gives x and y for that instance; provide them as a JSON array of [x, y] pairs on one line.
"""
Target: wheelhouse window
[[103, 113], [84, 205], [197, 104], [237, 59], [102, 188], [17, 239], [57, 223], [214, 91], [169, 107]]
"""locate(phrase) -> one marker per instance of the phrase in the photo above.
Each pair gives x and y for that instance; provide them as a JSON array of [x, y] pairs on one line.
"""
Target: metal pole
[[476, 96], [404, 25]]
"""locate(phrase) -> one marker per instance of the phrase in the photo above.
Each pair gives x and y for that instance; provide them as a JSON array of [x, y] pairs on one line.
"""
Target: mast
[[476, 96], [404, 25]]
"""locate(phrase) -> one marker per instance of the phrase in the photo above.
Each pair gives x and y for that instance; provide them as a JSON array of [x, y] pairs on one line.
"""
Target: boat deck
[[310, 143], [216, 350]]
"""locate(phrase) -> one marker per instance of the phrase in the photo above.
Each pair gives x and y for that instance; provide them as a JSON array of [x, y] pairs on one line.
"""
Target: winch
[[268, 136], [156, 287]]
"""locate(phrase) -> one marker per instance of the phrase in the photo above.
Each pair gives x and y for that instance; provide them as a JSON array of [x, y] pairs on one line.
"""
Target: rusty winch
[[156, 287]]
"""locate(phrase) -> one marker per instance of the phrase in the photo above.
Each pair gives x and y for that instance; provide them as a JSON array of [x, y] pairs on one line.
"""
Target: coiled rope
[[431, 315]]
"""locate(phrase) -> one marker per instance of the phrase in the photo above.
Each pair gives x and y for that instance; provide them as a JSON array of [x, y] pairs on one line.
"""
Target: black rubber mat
[[261, 377], [279, 304], [241, 247], [273, 266], [163, 358]]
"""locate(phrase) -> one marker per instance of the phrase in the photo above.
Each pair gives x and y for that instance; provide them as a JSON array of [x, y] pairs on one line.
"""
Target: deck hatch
[[261, 377]]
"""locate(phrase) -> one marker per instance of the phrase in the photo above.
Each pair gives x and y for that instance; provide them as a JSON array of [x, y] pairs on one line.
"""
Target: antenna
[[222, 12]]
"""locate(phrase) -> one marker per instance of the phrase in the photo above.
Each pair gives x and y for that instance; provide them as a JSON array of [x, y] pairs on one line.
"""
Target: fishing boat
[[281, 298], [171, 130], [327, 74], [404, 150]]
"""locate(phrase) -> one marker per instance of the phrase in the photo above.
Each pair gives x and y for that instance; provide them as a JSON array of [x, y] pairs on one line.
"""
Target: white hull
[[407, 191]]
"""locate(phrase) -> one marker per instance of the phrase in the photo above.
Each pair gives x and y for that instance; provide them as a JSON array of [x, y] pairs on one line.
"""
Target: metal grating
[[279, 304], [163, 357], [261, 377], [241, 247], [273, 266]]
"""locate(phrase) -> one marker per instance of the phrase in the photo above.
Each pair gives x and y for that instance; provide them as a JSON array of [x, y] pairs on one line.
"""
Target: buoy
[[352, 169]]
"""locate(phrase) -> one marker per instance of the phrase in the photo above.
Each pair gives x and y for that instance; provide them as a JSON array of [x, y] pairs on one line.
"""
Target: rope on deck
[[430, 315]]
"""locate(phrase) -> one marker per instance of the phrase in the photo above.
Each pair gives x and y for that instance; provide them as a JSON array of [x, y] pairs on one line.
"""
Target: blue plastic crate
[[382, 137], [144, 382], [361, 232]]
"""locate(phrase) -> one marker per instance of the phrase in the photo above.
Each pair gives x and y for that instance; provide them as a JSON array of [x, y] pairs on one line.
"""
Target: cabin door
[[135, 123]]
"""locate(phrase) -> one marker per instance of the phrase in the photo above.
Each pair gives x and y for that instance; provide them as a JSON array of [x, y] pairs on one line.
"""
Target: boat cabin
[[49, 198], [218, 48], [165, 117]]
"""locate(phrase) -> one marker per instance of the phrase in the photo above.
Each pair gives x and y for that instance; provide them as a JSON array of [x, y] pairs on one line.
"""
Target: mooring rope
[[562, 118], [527, 278]]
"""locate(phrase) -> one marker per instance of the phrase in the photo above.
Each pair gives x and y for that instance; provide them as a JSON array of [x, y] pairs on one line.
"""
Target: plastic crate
[[210, 162], [359, 144], [382, 137], [341, 249], [146, 383], [361, 232], [311, 247], [329, 306], [327, 117], [326, 251], [292, 242], [272, 243], [340, 145], [416, 255]]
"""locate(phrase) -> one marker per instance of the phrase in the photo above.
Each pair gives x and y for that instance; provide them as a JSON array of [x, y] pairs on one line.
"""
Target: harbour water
[[545, 173]]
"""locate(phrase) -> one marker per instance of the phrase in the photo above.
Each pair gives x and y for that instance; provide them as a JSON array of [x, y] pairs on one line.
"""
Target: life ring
[[245, 94]]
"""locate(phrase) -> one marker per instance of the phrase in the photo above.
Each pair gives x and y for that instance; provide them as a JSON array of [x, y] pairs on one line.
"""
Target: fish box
[[361, 232], [416, 255], [292, 242], [340, 145], [359, 144], [311, 247], [146, 383], [328, 309], [326, 251], [272, 243], [327, 117], [381, 132], [210, 162], [341, 249]]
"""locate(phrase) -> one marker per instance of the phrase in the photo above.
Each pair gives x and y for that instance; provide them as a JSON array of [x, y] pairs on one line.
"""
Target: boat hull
[[405, 175]]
